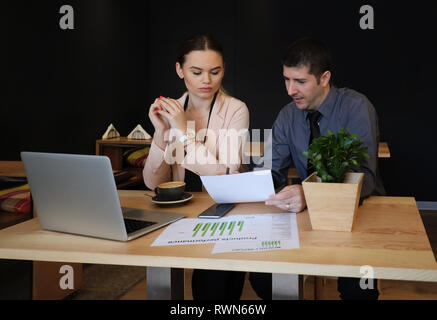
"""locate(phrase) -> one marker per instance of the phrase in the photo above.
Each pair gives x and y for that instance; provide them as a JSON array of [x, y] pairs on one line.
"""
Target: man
[[318, 104]]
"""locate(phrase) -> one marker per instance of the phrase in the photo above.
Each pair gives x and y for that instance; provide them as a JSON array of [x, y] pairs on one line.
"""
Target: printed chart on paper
[[235, 233]]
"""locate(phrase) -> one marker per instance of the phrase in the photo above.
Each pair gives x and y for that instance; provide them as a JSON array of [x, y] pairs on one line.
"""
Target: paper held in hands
[[253, 186]]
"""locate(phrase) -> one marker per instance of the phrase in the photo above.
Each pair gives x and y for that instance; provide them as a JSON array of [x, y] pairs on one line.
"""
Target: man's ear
[[179, 70], [324, 79]]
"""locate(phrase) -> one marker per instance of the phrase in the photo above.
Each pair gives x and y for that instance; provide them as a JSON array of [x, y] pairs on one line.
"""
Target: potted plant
[[332, 192]]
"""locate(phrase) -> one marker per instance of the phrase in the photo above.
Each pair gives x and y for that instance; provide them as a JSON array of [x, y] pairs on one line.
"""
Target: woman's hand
[[291, 198], [173, 112], [159, 122]]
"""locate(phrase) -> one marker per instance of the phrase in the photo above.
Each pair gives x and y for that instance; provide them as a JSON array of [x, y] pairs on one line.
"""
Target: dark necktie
[[315, 133]]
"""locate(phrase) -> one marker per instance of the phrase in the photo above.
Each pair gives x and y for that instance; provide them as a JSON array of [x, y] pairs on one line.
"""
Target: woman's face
[[202, 71]]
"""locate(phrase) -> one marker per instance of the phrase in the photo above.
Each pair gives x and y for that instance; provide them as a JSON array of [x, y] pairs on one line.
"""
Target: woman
[[189, 142], [205, 109]]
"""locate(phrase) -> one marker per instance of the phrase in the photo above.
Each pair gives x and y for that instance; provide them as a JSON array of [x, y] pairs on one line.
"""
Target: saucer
[[185, 197]]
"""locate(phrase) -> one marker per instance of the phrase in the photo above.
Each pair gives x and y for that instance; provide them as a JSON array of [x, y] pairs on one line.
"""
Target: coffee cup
[[170, 191]]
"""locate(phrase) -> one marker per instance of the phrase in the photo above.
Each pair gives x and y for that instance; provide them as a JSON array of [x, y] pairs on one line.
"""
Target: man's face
[[303, 87]]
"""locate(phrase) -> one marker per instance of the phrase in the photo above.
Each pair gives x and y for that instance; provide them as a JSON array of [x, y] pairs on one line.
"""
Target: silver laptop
[[77, 194]]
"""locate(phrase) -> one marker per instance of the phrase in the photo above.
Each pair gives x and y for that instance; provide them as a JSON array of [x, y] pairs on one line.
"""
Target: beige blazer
[[227, 113]]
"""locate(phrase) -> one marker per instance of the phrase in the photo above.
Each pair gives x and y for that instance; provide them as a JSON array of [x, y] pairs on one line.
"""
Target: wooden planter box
[[333, 206]]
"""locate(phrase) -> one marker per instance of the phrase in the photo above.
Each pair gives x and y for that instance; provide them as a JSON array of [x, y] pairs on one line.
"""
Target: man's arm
[[277, 155], [278, 158], [362, 120]]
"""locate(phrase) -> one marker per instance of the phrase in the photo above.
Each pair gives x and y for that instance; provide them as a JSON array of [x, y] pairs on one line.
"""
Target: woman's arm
[[156, 170], [204, 161]]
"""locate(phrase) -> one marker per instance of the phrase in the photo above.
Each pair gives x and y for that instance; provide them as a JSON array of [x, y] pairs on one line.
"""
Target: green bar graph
[[231, 227], [240, 224], [214, 228], [205, 229], [225, 228], [271, 244], [196, 229]]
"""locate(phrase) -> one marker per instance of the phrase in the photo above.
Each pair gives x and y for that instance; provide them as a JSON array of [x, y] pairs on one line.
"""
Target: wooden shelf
[[12, 169], [123, 141], [114, 149]]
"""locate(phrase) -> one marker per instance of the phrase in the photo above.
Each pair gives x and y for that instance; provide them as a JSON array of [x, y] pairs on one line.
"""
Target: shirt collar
[[328, 104]]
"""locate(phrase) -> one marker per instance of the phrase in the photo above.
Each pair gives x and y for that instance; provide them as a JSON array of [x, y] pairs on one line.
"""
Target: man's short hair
[[309, 52]]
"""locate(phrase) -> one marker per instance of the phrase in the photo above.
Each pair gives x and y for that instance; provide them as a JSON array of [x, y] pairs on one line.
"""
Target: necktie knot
[[314, 117]]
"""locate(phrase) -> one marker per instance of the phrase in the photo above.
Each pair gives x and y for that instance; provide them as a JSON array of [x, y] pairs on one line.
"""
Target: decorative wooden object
[[111, 133], [333, 206], [139, 134]]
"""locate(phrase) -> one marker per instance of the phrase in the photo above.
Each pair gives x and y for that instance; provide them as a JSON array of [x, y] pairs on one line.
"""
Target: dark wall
[[65, 87]]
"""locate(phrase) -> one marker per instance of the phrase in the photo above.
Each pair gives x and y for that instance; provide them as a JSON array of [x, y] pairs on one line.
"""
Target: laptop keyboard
[[134, 225]]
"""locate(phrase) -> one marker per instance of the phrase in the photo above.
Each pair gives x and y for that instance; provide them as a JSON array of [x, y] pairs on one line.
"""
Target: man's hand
[[291, 198]]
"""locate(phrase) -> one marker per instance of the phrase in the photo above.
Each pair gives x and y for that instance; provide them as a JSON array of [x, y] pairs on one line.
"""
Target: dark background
[[64, 87]]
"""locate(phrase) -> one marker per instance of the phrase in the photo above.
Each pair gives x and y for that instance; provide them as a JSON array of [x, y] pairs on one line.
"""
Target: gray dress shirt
[[342, 108]]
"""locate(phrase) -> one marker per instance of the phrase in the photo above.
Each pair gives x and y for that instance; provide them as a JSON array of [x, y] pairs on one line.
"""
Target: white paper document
[[237, 233], [284, 235], [252, 186]]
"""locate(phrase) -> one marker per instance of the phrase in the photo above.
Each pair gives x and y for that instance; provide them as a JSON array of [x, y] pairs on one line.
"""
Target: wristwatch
[[189, 135]]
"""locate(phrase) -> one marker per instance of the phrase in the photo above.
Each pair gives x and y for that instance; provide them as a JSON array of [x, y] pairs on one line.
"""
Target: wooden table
[[388, 235]]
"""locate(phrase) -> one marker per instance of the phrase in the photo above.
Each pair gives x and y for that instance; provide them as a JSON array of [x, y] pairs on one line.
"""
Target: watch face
[[183, 139], [190, 134]]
